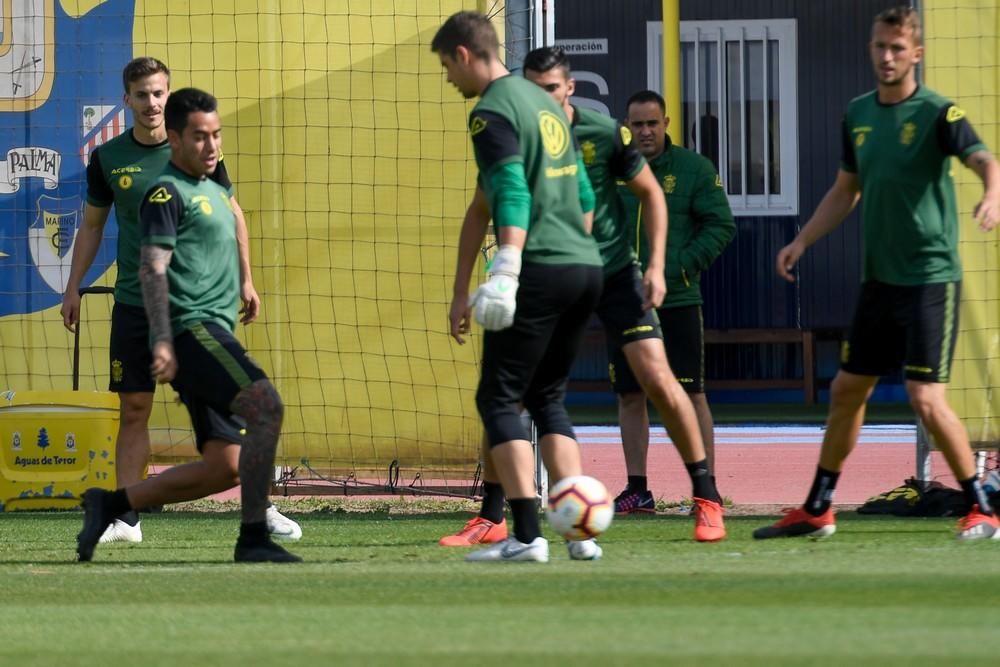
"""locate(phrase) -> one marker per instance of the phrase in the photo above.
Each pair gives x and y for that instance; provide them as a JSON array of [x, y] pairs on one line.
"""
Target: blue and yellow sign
[[61, 99]]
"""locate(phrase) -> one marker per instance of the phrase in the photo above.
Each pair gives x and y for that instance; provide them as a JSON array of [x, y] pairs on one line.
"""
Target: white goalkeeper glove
[[494, 302]]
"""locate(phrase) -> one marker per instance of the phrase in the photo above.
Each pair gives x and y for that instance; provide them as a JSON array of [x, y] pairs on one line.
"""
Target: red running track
[[771, 465]]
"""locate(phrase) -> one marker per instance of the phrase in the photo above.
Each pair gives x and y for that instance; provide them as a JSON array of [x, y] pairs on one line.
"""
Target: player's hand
[[788, 257], [460, 317], [251, 303], [494, 302], [164, 366], [654, 288], [70, 310], [987, 213]]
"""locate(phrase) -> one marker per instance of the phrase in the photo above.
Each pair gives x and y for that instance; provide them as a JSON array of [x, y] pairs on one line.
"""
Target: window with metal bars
[[739, 107]]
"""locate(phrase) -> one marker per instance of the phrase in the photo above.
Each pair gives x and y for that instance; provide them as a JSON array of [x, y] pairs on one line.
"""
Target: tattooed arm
[[153, 277], [159, 218]]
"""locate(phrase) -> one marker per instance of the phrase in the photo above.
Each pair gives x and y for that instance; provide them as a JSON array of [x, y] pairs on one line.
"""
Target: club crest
[[51, 238]]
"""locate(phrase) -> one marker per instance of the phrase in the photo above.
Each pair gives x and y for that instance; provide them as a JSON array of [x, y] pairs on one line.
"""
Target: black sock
[[524, 511], [702, 484], [254, 533], [131, 517], [492, 506], [820, 496], [637, 483], [974, 494], [118, 504]]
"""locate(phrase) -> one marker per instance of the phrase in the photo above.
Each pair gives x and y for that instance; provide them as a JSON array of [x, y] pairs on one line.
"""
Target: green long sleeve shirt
[[700, 221]]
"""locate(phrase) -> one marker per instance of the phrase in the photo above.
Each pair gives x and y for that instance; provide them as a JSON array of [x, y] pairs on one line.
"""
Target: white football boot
[[119, 531], [281, 527], [512, 550], [584, 549]]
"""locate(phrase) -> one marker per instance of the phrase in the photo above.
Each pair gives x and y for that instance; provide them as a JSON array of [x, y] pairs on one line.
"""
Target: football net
[[351, 160], [963, 62]]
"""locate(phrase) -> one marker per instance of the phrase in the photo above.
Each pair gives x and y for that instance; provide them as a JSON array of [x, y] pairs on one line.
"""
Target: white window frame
[[784, 31]]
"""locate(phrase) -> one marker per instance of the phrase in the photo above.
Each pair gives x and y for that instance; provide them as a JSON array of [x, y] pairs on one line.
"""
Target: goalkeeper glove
[[494, 302]]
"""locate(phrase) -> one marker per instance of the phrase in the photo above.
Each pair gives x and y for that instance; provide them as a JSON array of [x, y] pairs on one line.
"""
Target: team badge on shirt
[[669, 183], [907, 134], [589, 151]]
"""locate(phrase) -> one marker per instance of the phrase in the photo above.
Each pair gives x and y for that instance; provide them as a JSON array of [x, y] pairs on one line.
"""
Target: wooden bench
[[802, 337]]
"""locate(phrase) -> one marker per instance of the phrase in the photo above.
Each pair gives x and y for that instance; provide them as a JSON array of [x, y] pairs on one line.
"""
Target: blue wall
[[741, 290]]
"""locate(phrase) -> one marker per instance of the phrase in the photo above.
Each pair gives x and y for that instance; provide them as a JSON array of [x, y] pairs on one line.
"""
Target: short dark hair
[[545, 58], [184, 102], [645, 96], [469, 29], [140, 68], [903, 16]]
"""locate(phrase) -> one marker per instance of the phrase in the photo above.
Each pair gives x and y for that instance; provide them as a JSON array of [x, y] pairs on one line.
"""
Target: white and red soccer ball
[[579, 508]]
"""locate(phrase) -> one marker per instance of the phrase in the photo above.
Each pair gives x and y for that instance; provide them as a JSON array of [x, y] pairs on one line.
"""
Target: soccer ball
[[579, 508]]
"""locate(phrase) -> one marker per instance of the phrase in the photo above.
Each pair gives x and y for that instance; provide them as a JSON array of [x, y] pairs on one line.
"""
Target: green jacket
[[700, 221]]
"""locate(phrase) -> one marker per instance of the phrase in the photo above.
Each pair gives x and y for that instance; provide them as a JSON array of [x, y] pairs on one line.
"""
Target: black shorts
[[212, 368], [530, 361], [913, 326], [684, 338], [620, 309], [130, 356]]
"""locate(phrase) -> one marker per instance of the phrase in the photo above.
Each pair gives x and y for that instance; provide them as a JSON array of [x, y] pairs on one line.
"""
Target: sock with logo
[[524, 511], [820, 496], [974, 494], [492, 505]]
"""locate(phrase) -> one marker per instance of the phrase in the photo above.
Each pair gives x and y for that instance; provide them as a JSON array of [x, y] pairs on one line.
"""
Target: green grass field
[[377, 590]]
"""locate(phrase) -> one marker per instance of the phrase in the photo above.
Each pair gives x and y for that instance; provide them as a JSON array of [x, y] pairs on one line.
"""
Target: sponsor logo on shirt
[[160, 196], [860, 133], [954, 113], [555, 135], [477, 125]]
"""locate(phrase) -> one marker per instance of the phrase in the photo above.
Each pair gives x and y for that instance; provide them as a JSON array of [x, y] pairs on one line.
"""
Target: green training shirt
[[901, 154], [120, 172], [516, 123], [194, 217], [700, 222], [610, 156]]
